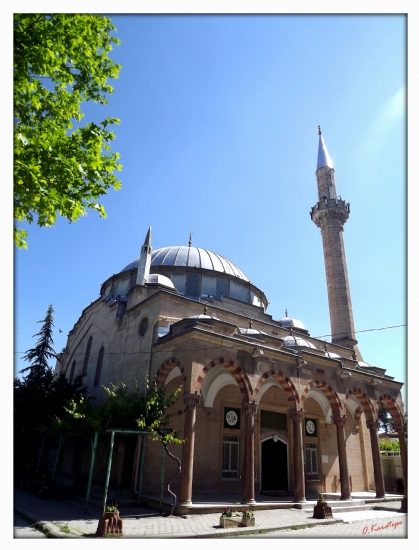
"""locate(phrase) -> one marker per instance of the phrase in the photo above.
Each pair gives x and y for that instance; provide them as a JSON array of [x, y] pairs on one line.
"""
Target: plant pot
[[248, 522], [109, 524], [228, 522]]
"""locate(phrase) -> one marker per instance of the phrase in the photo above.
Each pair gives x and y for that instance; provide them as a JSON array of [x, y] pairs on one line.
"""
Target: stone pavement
[[67, 519]]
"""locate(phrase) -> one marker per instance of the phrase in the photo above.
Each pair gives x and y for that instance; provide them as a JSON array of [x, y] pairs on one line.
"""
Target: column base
[[249, 501], [345, 498], [300, 499], [187, 503]]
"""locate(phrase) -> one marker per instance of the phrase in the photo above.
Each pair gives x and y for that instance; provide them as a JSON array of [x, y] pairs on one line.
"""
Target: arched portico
[[390, 404]]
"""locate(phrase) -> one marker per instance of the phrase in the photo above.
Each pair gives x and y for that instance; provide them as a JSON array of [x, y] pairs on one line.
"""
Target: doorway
[[274, 465]]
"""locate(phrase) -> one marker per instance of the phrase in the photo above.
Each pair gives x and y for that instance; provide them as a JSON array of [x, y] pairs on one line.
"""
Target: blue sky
[[218, 136]]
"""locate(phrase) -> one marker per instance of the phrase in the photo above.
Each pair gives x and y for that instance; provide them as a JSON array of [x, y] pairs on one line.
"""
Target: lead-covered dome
[[191, 256]]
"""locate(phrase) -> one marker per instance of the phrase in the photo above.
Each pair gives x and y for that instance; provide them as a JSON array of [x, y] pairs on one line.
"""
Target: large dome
[[191, 256]]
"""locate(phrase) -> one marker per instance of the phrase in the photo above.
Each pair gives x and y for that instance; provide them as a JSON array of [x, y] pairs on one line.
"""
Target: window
[[73, 368], [142, 329], [99, 367], [312, 461], [230, 458], [86, 357]]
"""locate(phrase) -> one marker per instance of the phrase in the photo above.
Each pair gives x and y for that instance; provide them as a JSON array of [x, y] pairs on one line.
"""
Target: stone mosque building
[[267, 408]]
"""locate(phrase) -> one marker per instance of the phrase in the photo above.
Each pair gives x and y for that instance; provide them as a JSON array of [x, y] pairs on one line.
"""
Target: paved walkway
[[66, 519]]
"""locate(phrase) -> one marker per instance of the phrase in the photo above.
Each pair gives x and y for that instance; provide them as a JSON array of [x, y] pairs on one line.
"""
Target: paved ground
[[65, 519], [23, 529]]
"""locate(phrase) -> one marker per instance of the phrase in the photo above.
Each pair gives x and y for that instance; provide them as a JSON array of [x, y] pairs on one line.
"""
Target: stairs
[[337, 506]]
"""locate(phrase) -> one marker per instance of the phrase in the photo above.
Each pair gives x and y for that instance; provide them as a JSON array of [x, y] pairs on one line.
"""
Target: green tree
[[40, 396], [43, 351], [61, 61], [385, 420]]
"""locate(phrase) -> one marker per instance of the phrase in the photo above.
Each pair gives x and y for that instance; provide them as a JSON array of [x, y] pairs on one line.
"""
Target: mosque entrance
[[274, 465]]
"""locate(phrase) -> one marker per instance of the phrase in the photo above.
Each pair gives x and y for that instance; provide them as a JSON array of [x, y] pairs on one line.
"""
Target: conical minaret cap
[[147, 240], [323, 158]]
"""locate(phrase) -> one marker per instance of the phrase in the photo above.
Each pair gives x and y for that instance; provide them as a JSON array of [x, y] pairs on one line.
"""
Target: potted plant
[[248, 518], [110, 522], [228, 518]]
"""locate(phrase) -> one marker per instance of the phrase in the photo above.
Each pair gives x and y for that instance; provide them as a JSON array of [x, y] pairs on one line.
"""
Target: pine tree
[[40, 355]]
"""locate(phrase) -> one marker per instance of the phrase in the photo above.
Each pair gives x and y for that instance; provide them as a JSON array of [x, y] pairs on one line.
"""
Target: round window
[[142, 329]]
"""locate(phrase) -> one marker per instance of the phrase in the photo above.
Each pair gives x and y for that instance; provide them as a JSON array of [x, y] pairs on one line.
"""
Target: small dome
[[288, 322], [157, 279], [296, 341], [363, 365], [251, 331], [332, 355]]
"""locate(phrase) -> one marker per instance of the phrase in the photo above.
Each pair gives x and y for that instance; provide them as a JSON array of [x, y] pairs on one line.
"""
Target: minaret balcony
[[325, 209]]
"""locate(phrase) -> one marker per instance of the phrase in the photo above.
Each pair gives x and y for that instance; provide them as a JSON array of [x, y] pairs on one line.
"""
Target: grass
[[64, 528]]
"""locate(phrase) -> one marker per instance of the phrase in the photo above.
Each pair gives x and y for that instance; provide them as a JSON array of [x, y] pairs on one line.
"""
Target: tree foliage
[[123, 408], [61, 61], [43, 351], [389, 445], [39, 397], [385, 420]]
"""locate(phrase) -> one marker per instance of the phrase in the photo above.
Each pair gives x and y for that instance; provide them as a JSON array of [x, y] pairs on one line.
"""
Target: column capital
[[340, 421], [373, 424], [191, 400], [400, 428], [249, 409], [297, 415]]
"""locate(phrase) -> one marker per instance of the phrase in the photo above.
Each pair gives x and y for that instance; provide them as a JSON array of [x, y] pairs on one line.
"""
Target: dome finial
[[319, 129], [354, 357], [325, 346], [190, 238], [286, 312], [205, 309], [250, 322]]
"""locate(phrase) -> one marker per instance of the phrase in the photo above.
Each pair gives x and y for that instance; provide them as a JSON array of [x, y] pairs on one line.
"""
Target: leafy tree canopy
[[123, 408], [60, 61], [385, 420]]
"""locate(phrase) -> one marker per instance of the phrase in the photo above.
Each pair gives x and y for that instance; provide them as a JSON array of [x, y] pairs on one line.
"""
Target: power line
[[215, 347]]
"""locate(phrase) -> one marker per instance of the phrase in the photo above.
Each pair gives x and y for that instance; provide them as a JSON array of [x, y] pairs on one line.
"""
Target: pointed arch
[[367, 406], [166, 369], [237, 372], [285, 383], [390, 404], [328, 391]]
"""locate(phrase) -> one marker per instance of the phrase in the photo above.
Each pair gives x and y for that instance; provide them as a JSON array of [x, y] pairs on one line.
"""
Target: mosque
[[268, 409]]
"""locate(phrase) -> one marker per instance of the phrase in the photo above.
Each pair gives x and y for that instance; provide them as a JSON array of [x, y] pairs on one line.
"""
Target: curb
[[52, 531]]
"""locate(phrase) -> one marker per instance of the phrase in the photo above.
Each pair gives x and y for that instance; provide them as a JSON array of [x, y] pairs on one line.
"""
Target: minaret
[[330, 213], [144, 260]]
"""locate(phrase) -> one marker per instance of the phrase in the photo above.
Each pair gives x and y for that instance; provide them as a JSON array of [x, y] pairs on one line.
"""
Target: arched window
[[99, 366], [86, 357], [73, 368]]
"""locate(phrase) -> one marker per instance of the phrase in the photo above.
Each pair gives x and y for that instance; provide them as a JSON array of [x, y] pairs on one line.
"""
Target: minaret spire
[[144, 260], [330, 214]]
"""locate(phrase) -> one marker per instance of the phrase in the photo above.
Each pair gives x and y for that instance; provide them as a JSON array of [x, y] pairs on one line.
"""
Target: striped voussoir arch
[[285, 383], [166, 368], [237, 372], [365, 403], [328, 391], [390, 404]]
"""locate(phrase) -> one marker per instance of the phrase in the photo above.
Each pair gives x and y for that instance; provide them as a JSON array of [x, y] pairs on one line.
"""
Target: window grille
[[231, 462], [312, 461]]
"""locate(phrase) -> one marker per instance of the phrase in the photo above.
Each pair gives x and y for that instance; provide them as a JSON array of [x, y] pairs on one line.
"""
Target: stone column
[[249, 411], [345, 489], [297, 418], [372, 425], [401, 430], [191, 401]]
